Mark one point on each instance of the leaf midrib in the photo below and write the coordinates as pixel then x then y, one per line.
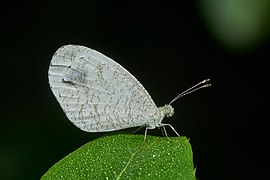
pixel 130 159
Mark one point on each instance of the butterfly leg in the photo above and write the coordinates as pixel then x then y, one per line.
pixel 145 133
pixel 162 131
pixel 170 127
pixel 136 130
pixel 165 132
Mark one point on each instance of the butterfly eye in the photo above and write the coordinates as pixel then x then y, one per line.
pixel 168 110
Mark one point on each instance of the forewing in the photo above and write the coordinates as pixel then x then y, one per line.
pixel 96 93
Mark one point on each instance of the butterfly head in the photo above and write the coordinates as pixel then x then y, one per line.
pixel 168 110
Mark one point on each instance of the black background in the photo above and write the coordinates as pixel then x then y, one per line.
pixel 167 47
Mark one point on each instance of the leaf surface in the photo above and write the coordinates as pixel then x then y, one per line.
pixel 124 157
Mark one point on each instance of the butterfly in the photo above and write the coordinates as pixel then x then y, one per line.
pixel 98 95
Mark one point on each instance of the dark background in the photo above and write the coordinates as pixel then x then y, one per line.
pixel 168 47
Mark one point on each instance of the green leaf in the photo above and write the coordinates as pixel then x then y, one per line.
pixel 124 157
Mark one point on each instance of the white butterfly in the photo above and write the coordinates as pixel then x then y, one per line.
pixel 97 94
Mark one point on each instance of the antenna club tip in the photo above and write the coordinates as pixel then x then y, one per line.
pixel 206 80
pixel 206 85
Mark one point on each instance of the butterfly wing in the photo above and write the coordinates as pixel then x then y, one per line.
pixel 96 93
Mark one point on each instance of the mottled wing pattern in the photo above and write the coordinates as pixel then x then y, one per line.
pixel 96 93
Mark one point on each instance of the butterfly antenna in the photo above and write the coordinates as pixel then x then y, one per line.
pixel 200 85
